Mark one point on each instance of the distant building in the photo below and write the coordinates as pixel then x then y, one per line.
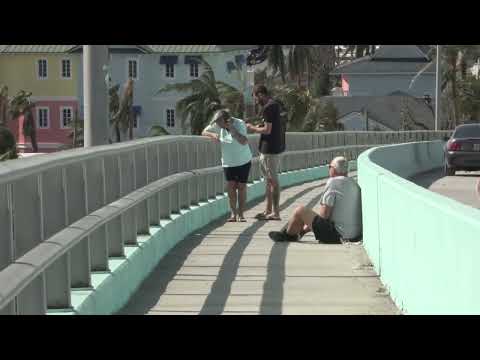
pixel 154 66
pixel 52 75
pixel 383 90
pixel 391 68
pixel 385 113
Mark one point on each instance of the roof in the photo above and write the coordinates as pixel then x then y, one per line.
pixel 346 104
pixel 15 49
pixel 386 110
pixel 198 48
pixel 399 52
pixel 393 59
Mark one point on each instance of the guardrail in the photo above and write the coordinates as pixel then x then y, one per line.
pixel 423 245
pixel 44 198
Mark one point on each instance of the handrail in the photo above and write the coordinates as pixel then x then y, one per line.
pixel 139 186
pixel 18 275
pixel 424 248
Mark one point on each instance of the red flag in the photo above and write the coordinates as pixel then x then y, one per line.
pixel 345 86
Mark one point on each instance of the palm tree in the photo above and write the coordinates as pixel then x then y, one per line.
pixel 455 59
pixel 275 57
pixel 356 51
pixel 207 95
pixel 296 102
pixel 158 130
pixel 122 119
pixel 299 63
pixel 113 107
pixel 21 105
pixel 3 105
pixel 8 146
pixel 76 124
pixel 323 61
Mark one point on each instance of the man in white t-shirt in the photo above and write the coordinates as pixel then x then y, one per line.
pixel 236 158
pixel 340 213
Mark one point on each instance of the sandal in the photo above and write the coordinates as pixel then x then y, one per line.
pixel 273 218
pixel 242 219
pixel 232 219
pixel 261 216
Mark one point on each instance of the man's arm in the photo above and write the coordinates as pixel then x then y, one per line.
pixel 267 129
pixel 325 211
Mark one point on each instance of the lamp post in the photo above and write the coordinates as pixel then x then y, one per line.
pixel 95 57
pixel 437 88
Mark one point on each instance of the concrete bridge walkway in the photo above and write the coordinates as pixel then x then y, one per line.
pixel 234 268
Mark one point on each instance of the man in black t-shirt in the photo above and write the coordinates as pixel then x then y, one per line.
pixel 272 144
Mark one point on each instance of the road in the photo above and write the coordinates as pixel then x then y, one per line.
pixel 461 187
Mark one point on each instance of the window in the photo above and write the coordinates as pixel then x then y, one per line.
pixel 43 118
pixel 170 70
pixel 66 116
pixel 170 118
pixel 194 70
pixel 42 69
pixel 133 69
pixel 66 69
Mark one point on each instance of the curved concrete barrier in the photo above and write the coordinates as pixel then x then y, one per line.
pixel 424 246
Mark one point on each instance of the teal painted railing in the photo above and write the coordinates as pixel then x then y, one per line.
pixel 424 246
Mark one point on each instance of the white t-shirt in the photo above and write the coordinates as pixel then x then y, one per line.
pixel 233 153
pixel 343 195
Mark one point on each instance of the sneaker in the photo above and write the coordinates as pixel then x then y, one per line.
pixel 280 236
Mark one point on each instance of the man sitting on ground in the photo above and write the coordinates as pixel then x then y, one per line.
pixel 340 213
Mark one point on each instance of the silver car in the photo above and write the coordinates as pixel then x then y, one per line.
pixel 462 149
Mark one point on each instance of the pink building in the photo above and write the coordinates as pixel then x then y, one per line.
pixel 51 121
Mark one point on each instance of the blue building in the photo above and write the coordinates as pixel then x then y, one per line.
pixel 154 66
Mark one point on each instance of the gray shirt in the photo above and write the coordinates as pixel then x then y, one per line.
pixel 342 194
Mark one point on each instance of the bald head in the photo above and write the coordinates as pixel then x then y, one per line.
pixel 340 165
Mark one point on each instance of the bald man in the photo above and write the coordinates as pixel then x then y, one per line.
pixel 340 213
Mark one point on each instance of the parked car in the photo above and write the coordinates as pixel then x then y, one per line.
pixel 462 149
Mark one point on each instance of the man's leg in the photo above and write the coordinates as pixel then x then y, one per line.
pixel 275 186
pixel 232 197
pixel 272 170
pixel 268 190
pixel 301 220
pixel 268 198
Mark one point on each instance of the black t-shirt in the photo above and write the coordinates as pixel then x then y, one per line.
pixel 274 143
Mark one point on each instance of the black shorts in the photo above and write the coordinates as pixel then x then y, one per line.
pixel 238 173
pixel 325 231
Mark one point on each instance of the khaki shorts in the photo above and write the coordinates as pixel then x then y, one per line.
pixel 269 164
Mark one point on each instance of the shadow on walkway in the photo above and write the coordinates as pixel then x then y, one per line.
pixel 272 295
pixel 147 295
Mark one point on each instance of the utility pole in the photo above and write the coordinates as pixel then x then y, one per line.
pixel 95 57
pixel 438 90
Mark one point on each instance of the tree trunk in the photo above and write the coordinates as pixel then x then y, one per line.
pixel 130 124
pixel 29 123
pixel 117 133
pixel 74 140
pixel 33 138
pixel 307 66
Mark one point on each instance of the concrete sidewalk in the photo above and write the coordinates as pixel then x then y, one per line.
pixel 234 268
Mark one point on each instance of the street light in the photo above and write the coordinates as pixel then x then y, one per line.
pixel 95 57
pixel 437 88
